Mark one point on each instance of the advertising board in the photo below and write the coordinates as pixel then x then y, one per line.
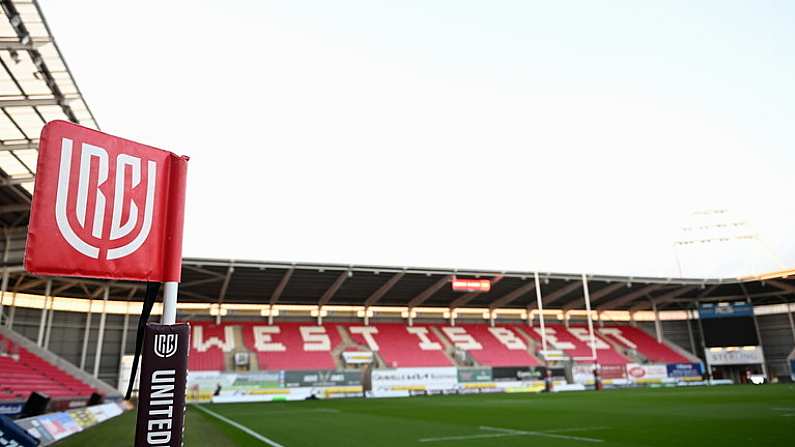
pixel 646 373
pixel 417 379
pixel 321 378
pixel 474 375
pixel 685 370
pixel 745 356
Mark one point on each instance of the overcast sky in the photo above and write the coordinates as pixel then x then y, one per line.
pixel 559 136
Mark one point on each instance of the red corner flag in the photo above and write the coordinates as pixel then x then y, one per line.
pixel 105 207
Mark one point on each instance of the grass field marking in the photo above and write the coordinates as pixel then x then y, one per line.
pixel 546 434
pixel 240 427
pixel 280 412
pixel 468 437
pixel 789 411
pixel 573 429
pixel 504 432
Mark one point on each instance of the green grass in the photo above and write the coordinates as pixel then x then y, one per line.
pixel 731 415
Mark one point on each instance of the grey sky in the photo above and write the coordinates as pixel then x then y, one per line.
pixel 563 136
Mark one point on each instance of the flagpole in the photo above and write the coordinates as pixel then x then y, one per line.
pixel 170 302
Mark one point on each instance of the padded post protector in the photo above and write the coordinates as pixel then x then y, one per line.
pixel 161 395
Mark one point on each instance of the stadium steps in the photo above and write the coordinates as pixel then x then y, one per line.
pixel 532 345
pixel 71 370
pixel 633 355
pixel 348 343
pixel 450 350
pixel 674 347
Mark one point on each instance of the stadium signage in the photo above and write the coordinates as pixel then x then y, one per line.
pixel 438 378
pixel 105 207
pixel 471 285
pixel 321 378
pixel 748 355
pixel 11 408
pixel 639 373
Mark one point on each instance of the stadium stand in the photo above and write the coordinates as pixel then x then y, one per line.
pixel 209 342
pixel 492 346
pixel 291 346
pixel 643 343
pixel 575 343
pixel 402 346
pixel 22 372
pixel 308 346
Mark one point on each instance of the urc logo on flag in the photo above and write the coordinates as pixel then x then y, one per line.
pixel 117 230
pixel 105 207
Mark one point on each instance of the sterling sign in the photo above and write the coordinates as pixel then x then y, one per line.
pixel 749 355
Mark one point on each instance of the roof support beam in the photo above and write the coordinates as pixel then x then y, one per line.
pixel 662 299
pixel 782 285
pixel 628 298
pixel 709 290
pixel 378 294
pixel 222 293
pixel 30 285
pixel 560 293
pixel 14 44
pixel 5 147
pixel 512 296
pixel 598 295
pixel 427 293
pixel 204 271
pixel 31 102
pixel 195 295
pixel 329 294
pixel 199 282
pixel 66 286
pixel 280 288
pixel 17 180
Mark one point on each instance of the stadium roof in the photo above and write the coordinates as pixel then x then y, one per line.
pixel 36 86
pixel 272 283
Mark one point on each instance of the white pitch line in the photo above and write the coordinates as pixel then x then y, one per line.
pixel 568 430
pixel 240 427
pixel 546 434
pixel 281 412
pixel 466 437
pixel 504 432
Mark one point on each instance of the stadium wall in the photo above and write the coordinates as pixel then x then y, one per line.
pixel 68 328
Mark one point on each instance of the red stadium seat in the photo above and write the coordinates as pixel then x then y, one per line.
pixel 494 346
pixel 307 346
pixel 291 346
pixel 28 373
pixel 574 342
pixel 400 345
pixel 643 343
pixel 209 342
